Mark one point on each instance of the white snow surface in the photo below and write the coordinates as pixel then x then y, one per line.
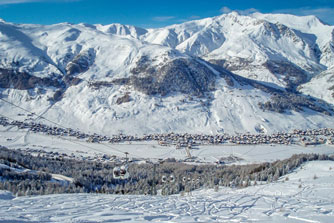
pixel 305 197
pixel 46 49
pixel 5 195
pixel 324 89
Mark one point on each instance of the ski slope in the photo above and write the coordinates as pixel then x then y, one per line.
pixel 305 197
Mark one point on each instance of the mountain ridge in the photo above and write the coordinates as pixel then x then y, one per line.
pixel 120 78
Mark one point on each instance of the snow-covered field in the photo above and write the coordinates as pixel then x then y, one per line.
pixel 305 197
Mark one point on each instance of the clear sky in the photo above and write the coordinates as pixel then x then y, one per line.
pixel 149 13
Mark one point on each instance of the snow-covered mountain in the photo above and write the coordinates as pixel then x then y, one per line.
pixel 282 49
pixel 223 74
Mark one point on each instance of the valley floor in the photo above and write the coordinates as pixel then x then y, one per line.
pixel 14 138
pixel 305 197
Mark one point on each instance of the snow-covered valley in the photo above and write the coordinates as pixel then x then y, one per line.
pixel 153 150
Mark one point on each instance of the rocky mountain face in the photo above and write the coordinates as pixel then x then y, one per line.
pixel 227 73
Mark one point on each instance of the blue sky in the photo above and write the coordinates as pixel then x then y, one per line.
pixel 149 13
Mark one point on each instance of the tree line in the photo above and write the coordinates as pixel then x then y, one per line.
pixel 167 177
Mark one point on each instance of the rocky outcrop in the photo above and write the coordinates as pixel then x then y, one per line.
pixel 98 84
pixel 81 62
pixel 23 81
pixel 233 65
pixel 123 99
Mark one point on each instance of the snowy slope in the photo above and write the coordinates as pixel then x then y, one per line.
pixel 18 49
pixel 230 110
pixel 323 33
pixel 110 54
pixel 245 44
pixel 122 30
pixel 321 86
pixel 302 198
pixel 118 78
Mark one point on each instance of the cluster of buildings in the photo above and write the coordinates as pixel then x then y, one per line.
pixel 303 137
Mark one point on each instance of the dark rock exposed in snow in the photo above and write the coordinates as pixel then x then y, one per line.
pixel 23 81
pixel 81 62
pixel 187 76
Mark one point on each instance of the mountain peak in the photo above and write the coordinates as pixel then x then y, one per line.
pixel 123 30
pixel 233 14
pixel 302 23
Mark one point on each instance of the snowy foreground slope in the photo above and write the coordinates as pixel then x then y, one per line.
pixel 306 196
pixel 204 76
